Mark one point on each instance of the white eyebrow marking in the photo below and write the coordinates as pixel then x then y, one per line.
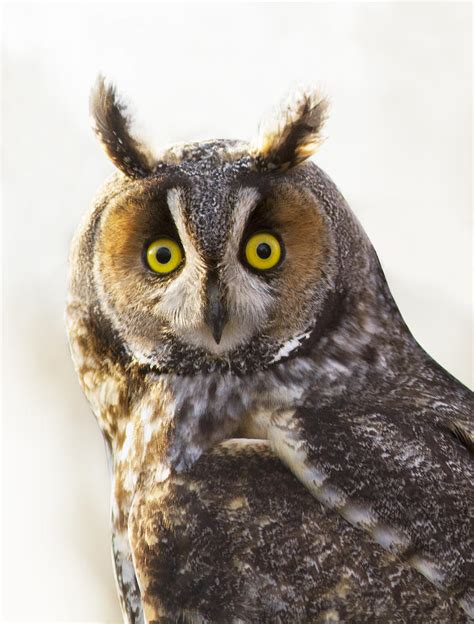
pixel 248 297
pixel 246 201
pixel 176 201
pixel 181 302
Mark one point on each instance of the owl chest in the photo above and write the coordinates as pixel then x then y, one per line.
pixel 161 424
pixel 209 410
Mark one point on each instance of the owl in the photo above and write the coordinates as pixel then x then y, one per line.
pixel 281 448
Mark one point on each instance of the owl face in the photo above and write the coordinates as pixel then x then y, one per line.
pixel 211 256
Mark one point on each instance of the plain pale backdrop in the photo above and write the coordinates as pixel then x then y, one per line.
pixel 398 147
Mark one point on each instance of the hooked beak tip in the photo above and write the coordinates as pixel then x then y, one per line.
pixel 216 323
pixel 216 326
pixel 216 313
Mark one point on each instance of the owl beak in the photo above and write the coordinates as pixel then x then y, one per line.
pixel 215 314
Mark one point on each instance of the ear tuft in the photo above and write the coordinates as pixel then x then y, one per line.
pixel 293 134
pixel 111 124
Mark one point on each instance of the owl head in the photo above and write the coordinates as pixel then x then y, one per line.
pixel 219 255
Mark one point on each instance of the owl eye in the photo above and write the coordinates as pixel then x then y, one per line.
pixel 263 251
pixel 164 255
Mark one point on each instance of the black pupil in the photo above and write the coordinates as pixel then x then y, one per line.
pixel 264 251
pixel 163 255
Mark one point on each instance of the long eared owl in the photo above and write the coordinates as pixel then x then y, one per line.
pixel 281 448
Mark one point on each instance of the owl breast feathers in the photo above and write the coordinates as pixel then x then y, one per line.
pixel 282 449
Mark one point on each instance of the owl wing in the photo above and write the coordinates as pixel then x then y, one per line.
pixel 238 539
pixel 399 466
pixel 126 582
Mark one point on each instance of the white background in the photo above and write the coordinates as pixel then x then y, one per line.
pixel 399 148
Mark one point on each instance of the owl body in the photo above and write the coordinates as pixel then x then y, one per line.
pixel 282 449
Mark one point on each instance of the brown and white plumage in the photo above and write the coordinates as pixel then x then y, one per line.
pixel 185 370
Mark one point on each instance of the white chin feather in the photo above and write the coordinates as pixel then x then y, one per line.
pixel 232 336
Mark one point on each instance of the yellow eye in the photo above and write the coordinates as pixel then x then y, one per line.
pixel 164 255
pixel 263 251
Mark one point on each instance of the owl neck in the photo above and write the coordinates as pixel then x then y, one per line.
pixel 367 343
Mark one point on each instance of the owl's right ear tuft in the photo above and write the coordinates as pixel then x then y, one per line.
pixel 111 124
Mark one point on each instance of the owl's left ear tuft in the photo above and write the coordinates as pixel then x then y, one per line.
pixel 111 124
pixel 292 135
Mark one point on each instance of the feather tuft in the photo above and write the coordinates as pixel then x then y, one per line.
pixel 111 124
pixel 293 134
